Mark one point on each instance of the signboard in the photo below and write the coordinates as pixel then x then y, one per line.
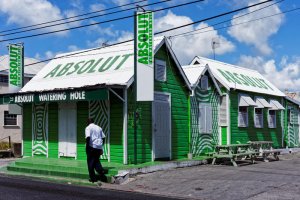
pixel 78 95
pixel 143 54
pixel 16 73
pixel 16 67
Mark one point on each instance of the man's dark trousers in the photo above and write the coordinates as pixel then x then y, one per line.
pixel 93 162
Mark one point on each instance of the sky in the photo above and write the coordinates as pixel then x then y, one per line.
pixel 269 45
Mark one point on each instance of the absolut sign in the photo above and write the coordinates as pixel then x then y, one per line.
pixel 144 69
pixel 16 66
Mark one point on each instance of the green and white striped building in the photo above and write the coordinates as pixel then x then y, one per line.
pixel 99 83
pixel 231 104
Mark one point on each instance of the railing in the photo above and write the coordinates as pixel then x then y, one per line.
pixel 5 145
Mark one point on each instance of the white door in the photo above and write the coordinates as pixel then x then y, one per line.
pixel 162 126
pixel 67 129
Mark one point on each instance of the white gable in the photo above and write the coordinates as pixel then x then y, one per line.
pixel 235 77
pixel 112 65
pixel 193 72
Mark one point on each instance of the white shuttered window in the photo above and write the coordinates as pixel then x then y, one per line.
pixel 160 70
pixel 243 116
pixel 205 118
pixel 258 118
pixel 223 111
pixel 272 119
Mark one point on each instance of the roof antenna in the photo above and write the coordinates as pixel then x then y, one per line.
pixel 138 7
pixel 215 43
pixel 105 44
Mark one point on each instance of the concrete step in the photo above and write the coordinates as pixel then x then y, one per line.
pixel 78 173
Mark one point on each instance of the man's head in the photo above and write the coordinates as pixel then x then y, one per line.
pixel 90 121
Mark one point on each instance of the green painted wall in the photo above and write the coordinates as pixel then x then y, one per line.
pixel 203 142
pixel 179 105
pixel 82 115
pixel 179 115
pixel 224 135
pixel 144 130
pixel 27 129
pixel 292 127
pixel 53 130
pixel 116 128
pixel 251 133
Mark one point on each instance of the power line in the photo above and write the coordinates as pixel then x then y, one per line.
pixel 97 23
pixel 112 8
pixel 237 24
pixel 209 18
pixel 82 19
pixel 171 29
pixel 187 33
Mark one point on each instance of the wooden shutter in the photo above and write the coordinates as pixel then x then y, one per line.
pixel 208 119
pixel 160 70
pixel 223 111
pixel 201 119
pixel 205 118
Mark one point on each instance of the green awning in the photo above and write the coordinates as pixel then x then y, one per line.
pixel 55 96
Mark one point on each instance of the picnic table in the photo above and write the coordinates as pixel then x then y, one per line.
pixel 233 152
pixel 264 149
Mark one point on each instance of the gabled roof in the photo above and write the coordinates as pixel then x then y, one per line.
pixel 234 77
pixel 29 71
pixel 195 72
pixel 292 100
pixel 107 66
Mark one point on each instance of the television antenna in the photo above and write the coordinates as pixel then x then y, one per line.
pixel 215 43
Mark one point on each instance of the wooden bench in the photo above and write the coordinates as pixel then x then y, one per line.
pixel 233 153
pixel 274 152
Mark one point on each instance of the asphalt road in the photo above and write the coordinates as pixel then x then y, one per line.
pixel 15 188
pixel 277 180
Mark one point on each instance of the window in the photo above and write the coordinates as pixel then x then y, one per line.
pixel 258 118
pixel 243 116
pixel 204 82
pixel 205 118
pixel 223 111
pixel 3 79
pixel 10 119
pixel 160 70
pixel 272 119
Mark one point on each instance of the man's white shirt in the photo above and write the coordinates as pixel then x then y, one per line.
pixel 96 135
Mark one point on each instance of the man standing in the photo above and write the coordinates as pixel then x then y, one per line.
pixel 94 141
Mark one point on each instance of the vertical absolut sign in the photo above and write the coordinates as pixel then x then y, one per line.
pixel 144 67
pixel 16 67
pixel 16 73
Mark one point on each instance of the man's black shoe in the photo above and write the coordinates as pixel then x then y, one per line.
pixel 92 180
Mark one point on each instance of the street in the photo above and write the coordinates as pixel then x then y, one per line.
pixel 274 180
pixel 13 188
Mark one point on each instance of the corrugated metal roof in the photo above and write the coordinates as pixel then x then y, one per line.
pixel 28 70
pixel 235 77
pixel 193 72
pixel 112 65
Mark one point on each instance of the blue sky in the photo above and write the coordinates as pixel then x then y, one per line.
pixel 270 46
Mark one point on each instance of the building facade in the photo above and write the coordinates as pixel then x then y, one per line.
pixel 11 124
pixel 99 84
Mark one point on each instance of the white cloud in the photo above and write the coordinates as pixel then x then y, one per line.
pixel 257 33
pixel 285 75
pixel 103 31
pixel 32 12
pixel 97 7
pixel 121 2
pixel 189 46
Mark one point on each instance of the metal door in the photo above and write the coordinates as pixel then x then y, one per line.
pixel 67 130
pixel 162 126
